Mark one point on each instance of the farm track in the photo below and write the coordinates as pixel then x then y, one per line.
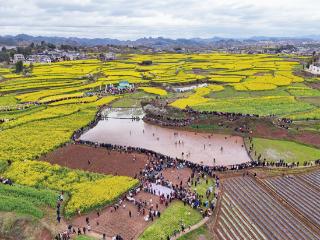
pixel 248 211
pixel 194 227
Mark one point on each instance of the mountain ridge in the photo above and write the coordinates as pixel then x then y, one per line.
pixel 21 39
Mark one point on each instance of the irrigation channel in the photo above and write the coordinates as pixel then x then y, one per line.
pixel 125 127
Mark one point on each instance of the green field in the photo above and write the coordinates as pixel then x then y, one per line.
pixel 202 187
pixel 8 100
pixel 26 200
pixel 274 150
pixel 263 106
pixel 84 238
pixel 170 221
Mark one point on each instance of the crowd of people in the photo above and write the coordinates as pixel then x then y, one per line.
pixel 279 122
pixel 168 122
pixel 115 90
pixel 229 116
pixel 284 122
pixel 76 134
pixel 77 231
pixel 58 207
pixel 192 115
pixel 111 89
pixel 159 162
pixel 170 161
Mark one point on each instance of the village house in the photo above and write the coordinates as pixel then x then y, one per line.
pixel 315 68
pixel 107 56
pixel 70 56
pixel 18 57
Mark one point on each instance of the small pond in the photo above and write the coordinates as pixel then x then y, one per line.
pixel 208 149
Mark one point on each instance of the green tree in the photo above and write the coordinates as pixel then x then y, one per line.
pixel 19 67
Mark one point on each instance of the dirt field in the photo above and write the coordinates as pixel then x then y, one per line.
pixel 101 160
pixel 309 138
pixel 177 175
pixel 267 132
pixel 114 222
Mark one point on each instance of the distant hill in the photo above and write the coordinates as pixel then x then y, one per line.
pixel 160 42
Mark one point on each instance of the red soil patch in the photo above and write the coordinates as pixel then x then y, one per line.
pixel 303 137
pixel 101 160
pixel 309 138
pixel 267 132
pixel 118 222
pixel 177 175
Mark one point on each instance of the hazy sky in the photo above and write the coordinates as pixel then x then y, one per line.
pixel 131 19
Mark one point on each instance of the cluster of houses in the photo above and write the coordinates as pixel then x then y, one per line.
pixel 49 56
pixel 58 56
pixel 107 56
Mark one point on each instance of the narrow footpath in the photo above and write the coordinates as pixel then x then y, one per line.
pixel 193 227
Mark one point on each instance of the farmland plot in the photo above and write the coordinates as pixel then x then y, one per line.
pixel 299 194
pixel 249 212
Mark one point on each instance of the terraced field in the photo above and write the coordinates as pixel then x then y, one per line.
pixel 269 80
pixel 299 194
pixel 249 212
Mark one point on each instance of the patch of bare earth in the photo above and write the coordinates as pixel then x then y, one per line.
pixel 267 132
pixel 99 160
pixel 176 176
pixel 310 138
